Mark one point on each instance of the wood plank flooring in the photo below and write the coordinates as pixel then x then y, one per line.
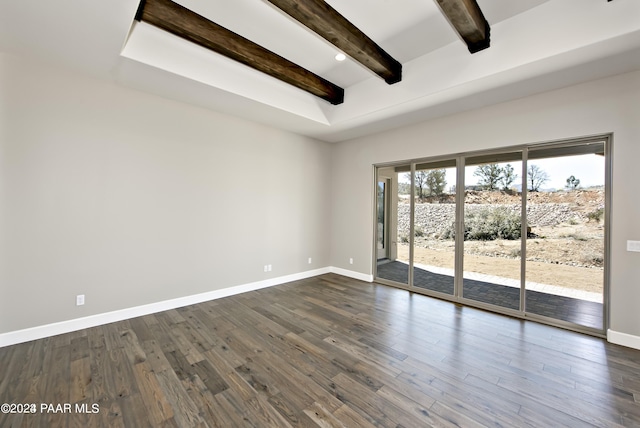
pixel 324 352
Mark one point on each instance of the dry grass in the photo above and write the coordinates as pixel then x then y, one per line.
pixel 567 255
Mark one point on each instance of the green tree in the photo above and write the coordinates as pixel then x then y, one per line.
pixel 572 183
pixel 436 181
pixel 489 175
pixel 508 176
pixel 420 182
pixel 536 177
pixel 404 188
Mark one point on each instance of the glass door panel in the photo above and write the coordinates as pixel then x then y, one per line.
pixel 492 229
pixel 565 248
pixel 434 218
pixel 394 266
pixel 382 239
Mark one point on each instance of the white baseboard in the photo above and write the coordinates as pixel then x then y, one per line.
pixel 624 339
pixel 39 332
pixel 351 274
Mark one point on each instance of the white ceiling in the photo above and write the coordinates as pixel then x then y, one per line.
pixel 536 45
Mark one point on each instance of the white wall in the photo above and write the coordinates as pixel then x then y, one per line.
pixel 602 106
pixel 132 199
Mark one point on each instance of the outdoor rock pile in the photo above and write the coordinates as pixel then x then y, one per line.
pixel 433 218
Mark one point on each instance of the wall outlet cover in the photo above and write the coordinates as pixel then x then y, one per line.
pixel 633 246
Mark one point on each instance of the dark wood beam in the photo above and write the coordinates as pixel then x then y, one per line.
pixel 184 23
pixel 468 20
pixel 325 21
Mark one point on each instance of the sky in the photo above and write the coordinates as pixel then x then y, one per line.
pixel 589 169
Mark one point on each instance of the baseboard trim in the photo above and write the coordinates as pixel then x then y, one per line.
pixel 624 339
pixel 351 274
pixel 48 330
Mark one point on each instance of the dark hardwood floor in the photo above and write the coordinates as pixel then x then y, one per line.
pixel 327 351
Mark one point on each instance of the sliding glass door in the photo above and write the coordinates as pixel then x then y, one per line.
pixel 393 212
pixel 566 246
pixel 434 222
pixel 522 231
pixel 492 229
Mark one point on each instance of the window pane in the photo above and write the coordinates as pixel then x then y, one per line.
pixel 435 210
pixel 492 230
pixel 393 258
pixel 565 248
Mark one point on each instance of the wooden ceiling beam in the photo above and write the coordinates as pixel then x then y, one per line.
pixel 467 19
pixel 188 25
pixel 321 18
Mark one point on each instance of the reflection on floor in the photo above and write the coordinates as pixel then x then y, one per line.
pixel 559 307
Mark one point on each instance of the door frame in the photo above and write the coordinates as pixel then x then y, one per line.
pixel 607 138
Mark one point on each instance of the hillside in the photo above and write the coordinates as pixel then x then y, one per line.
pixel 567 229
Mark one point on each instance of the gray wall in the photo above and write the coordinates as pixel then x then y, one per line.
pixel 602 106
pixel 132 199
pixel 123 196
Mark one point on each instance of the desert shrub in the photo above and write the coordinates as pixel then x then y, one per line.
pixel 488 224
pixel 404 239
pixel 418 231
pixel 448 232
pixel 596 215
pixel 593 260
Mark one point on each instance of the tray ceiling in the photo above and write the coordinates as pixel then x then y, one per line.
pixel 536 45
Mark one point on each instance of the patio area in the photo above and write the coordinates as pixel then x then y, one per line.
pixel 571 309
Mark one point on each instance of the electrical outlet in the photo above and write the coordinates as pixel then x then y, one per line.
pixel 269 268
pixel 266 268
pixel 80 300
pixel 351 261
pixel 633 246
pixel 309 260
